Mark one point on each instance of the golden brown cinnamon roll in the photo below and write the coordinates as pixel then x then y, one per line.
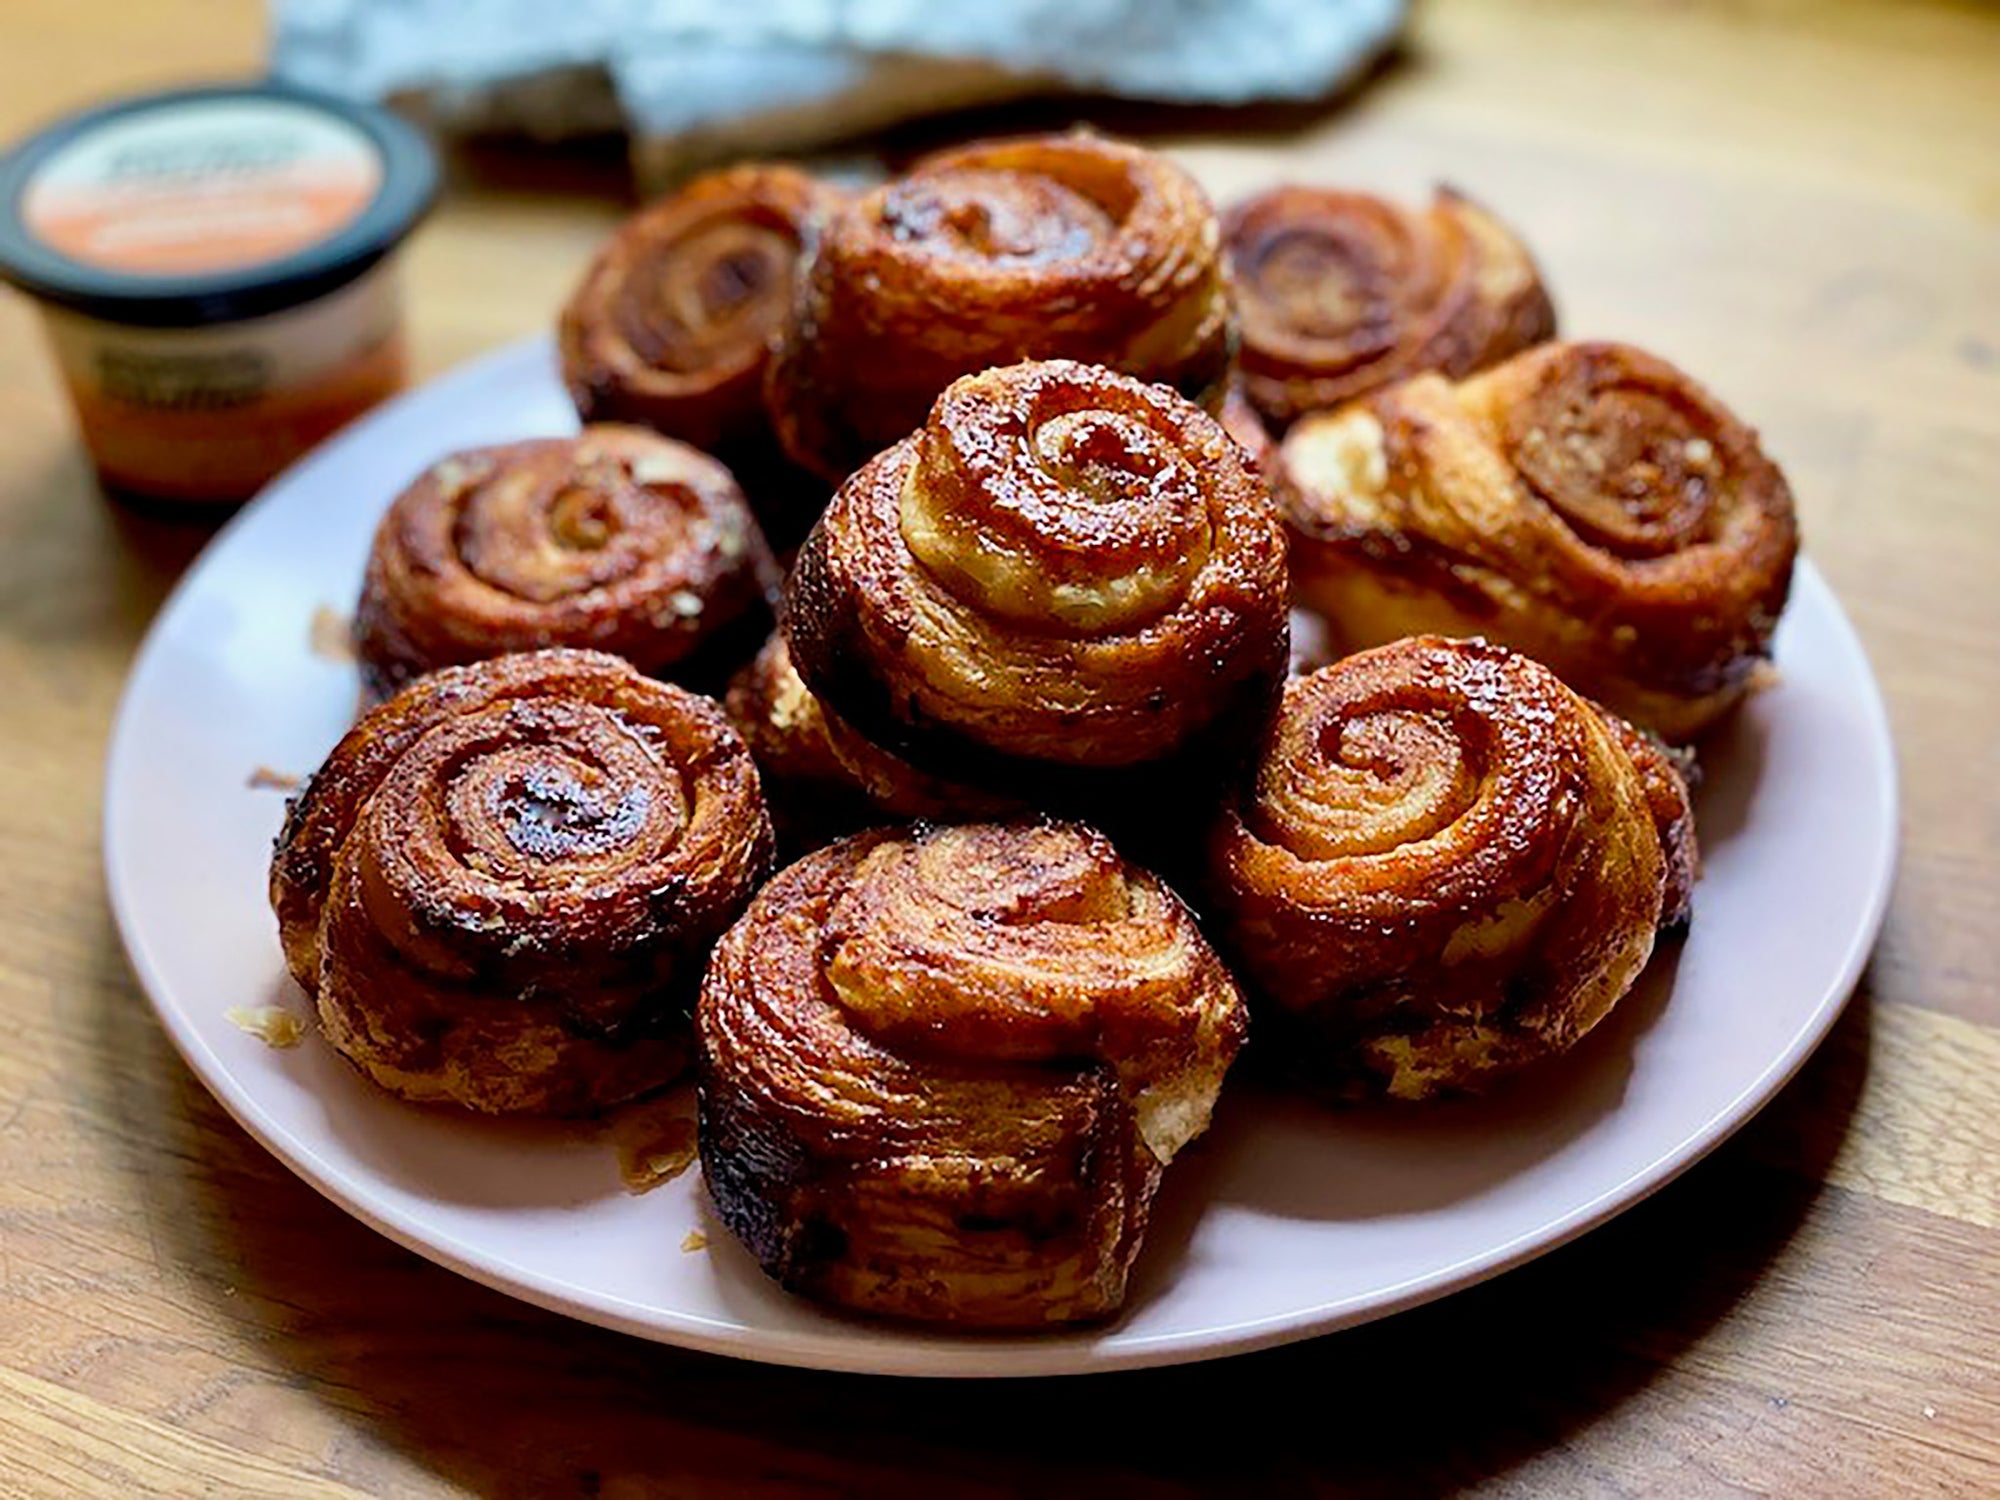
pixel 1342 293
pixel 1065 571
pixel 616 539
pixel 1053 247
pixel 822 778
pixel 671 326
pixel 500 887
pixel 1588 504
pixel 1447 865
pixel 941 1070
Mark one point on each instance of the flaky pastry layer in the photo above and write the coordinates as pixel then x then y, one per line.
pixel 943 1070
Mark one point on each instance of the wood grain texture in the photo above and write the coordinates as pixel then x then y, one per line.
pixel 1801 203
pixel 59 1441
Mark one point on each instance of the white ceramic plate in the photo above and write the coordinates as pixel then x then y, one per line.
pixel 1286 1221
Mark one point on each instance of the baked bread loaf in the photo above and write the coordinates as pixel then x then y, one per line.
pixel 672 324
pixel 1065 573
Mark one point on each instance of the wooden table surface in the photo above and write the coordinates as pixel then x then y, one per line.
pixel 1799 202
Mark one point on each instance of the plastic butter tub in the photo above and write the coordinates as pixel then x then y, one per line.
pixel 213 270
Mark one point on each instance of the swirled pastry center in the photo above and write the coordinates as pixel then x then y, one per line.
pixel 546 530
pixel 1326 283
pixel 1065 513
pixel 553 811
pixel 975 946
pixel 1377 783
pixel 985 214
pixel 692 302
pixel 539 795
pixel 1629 469
pixel 1406 762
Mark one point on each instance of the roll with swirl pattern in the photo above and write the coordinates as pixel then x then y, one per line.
pixel 942 1070
pixel 500 887
pixel 1050 247
pixel 1586 503
pixel 671 326
pixel 1446 866
pixel 615 540
pixel 1342 293
pixel 1067 572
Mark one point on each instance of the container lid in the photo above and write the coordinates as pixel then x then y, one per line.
pixel 208 205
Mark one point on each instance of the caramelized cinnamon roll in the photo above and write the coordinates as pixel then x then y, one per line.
pixel 1053 247
pixel 822 778
pixel 671 326
pixel 1586 503
pixel 1342 293
pixel 615 539
pixel 942 1070
pixel 500 887
pixel 1065 572
pixel 1447 865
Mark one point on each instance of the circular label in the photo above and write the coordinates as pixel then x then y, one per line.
pixel 202 185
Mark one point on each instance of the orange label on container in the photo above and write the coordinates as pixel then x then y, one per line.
pixel 228 454
pixel 201 186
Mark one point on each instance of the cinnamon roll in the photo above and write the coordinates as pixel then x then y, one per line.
pixel 1052 247
pixel 1586 503
pixel 616 539
pixel 1446 866
pixel 942 1070
pixel 1066 572
pixel 1342 293
pixel 500 888
pixel 671 326
pixel 822 778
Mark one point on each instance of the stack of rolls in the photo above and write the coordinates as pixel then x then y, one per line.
pixel 960 903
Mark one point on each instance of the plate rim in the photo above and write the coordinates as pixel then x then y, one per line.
pixel 939 1353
